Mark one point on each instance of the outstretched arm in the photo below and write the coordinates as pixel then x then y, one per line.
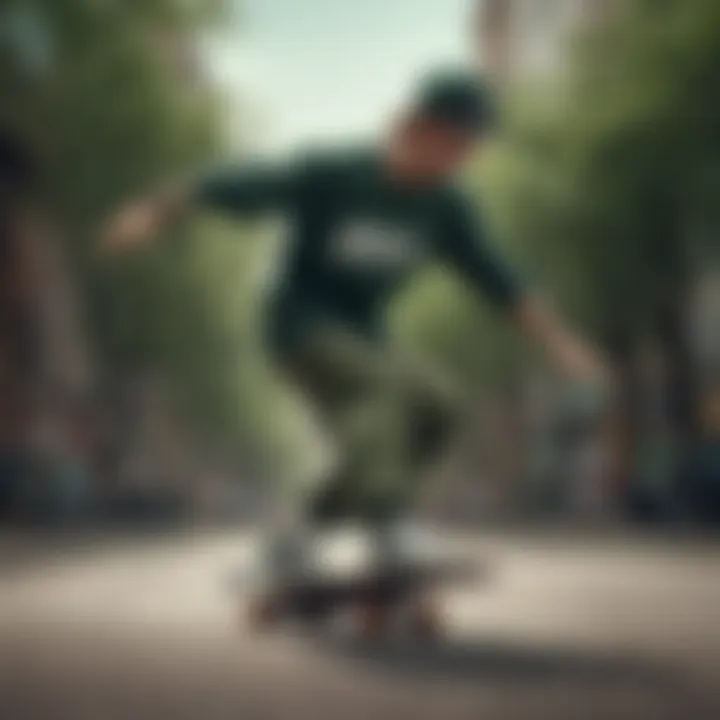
pixel 465 245
pixel 245 190
pixel 576 357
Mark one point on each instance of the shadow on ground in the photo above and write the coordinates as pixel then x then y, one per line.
pixel 495 660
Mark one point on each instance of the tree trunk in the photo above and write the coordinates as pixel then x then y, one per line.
pixel 624 425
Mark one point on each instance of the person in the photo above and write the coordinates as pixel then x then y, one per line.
pixel 362 222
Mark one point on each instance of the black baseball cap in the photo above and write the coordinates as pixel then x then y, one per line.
pixel 457 97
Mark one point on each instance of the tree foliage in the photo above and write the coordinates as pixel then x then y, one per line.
pixel 113 98
pixel 607 177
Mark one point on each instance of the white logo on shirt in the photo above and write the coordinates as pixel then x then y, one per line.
pixel 371 243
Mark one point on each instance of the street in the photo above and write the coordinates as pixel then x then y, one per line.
pixel 568 628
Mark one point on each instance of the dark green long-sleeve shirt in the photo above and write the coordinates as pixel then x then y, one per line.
pixel 356 236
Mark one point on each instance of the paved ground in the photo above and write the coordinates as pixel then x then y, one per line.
pixel 570 629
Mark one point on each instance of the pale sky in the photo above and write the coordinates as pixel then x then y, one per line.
pixel 313 69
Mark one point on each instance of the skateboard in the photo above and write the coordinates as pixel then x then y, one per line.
pixel 378 601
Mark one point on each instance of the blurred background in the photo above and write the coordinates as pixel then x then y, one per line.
pixel 140 387
pixel 137 391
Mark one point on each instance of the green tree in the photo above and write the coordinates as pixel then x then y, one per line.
pixel 608 180
pixel 113 99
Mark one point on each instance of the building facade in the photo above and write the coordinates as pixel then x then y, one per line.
pixel 525 39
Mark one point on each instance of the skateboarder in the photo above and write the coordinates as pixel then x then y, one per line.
pixel 362 221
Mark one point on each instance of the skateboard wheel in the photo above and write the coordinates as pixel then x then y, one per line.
pixel 373 621
pixel 263 613
pixel 425 623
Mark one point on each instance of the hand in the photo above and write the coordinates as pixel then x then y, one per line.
pixel 132 227
pixel 579 361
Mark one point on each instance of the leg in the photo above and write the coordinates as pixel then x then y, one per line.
pixel 389 422
pixel 326 382
pixel 391 434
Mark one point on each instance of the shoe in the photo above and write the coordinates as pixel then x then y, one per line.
pixel 404 544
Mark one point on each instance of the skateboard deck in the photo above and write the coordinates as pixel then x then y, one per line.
pixel 379 592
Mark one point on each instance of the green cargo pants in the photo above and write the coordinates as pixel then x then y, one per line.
pixel 389 419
